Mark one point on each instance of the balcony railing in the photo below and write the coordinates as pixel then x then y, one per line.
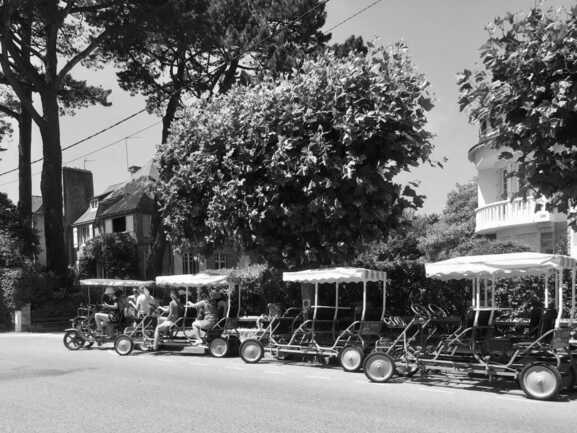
pixel 515 212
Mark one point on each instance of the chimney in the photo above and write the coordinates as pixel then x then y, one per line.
pixel 133 169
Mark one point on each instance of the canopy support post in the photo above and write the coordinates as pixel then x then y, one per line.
pixel 473 293
pixel 546 289
pixel 559 298
pixel 384 298
pixel 572 318
pixel 316 300
pixel 492 317
pixel 557 287
pixel 486 292
pixel 364 300
pixel 335 315
pixel 478 301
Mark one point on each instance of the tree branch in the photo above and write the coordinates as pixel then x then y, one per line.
pixel 81 55
pixel 15 84
pixel 9 112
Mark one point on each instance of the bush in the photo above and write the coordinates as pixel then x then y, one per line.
pixel 114 253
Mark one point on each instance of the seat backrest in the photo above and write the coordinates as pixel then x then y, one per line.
pixel 372 314
pixel 483 318
pixel 547 320
pixel 373 327
pixel 282 325
pixel 325 314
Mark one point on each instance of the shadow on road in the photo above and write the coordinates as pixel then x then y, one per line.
pixel 26 372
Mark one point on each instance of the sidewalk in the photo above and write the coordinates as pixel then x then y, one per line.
pixel 31 334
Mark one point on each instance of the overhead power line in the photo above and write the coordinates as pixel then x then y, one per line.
pixel 76 143
pixel 99 149
pixel 357 13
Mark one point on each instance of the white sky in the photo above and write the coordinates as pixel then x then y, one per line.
pixel 443 38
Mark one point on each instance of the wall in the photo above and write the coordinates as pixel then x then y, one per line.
pixel 77 191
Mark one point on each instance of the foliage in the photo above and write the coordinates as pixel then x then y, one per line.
pixel 454 233
pixel 299 171
pixel 199 48
pixel 527 92
pixel 59 36
pixel 113 253
pixel 353 44
pixel 16 240
pixel 17 285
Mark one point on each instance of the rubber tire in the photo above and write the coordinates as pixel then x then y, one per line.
pixel 351 358
pixel 553 373
pixel 257 351
pixel 215 347
pixel 373 365
pixel 72 340
pixel 123 339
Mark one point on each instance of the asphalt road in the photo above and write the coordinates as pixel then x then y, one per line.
pixel 45 388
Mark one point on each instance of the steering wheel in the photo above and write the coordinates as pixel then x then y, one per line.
pixel 420 310
pixel 437 310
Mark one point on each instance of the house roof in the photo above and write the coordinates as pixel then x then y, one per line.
pixel 87 217
pixel 124 197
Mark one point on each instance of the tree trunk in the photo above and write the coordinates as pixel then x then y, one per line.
pixel 155 258
pixel 25 175
pixel 169 114
pixel 51 185
pixel 24 146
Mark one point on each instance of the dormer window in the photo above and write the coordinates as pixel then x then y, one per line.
pixel 94 203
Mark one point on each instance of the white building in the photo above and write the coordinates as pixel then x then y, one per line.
pixel 501 216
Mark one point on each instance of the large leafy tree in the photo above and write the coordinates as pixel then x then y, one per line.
pixel 527 92
pixel 301 170
pixel 183 49
pixel 63 34
pixel 197 48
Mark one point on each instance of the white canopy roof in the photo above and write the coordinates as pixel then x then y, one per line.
pixel 498 265
pixel 114 283
pixel 335 275
pixel 192 280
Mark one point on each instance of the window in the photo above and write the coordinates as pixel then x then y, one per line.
pixel 119 225
pixel 190 264
pixel 94 203
pixel 84 233
pixel 221 261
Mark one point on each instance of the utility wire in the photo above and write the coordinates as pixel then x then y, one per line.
pixel 76 143
pixel 357 13
pixel 99 149
pixel 323 3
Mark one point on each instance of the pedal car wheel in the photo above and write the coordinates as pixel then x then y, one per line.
pixel 540 381
pixel 73 340
pixel 218 347
pixel 251 351
pixel 123 345
pixel 351 358
pixel 379 367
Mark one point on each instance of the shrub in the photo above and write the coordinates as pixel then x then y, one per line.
pixel 114 253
